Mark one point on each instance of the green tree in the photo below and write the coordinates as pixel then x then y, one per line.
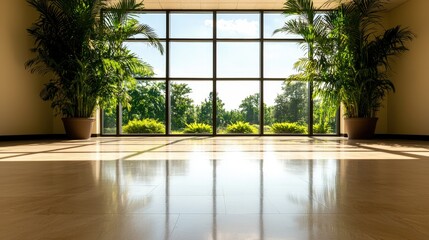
pixel 268 115
pixel 204 112
pixel 182 106
pixel 232 116
pixel 147 101
pixel 292 104
pixel 249 108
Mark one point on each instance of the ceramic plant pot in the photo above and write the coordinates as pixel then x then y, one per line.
pixel 360 128
pixel 78 128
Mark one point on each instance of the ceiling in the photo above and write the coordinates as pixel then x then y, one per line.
pixel 229 4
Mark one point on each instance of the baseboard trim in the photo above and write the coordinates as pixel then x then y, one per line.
pixel 37 137
pixel 402 137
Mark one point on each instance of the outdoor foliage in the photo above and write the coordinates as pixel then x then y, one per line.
pixel 197 128
pixel 287 127
pixel 241 127
pixel 146 125
pixel 182 106
pixel 148 101
pixel 249 108
pixel 322 128
pixel 292 104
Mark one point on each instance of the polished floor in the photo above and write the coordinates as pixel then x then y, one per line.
pixel 214 188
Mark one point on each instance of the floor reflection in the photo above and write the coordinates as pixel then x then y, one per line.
pixel 237 184
pixel 214 188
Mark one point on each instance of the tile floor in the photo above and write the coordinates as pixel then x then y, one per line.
pixel 205 188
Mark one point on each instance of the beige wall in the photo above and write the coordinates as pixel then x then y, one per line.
pixel 408 108
pixel 21 110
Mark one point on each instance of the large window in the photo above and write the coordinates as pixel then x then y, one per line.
pixel 222 73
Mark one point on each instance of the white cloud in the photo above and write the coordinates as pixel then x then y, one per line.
pixel 236 28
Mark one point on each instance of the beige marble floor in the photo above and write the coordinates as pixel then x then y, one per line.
pixel 204 188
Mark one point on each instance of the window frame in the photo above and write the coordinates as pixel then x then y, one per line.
pixel 214 40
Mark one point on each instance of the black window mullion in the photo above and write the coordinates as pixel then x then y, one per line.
pixel 167 75
pixel 261 74
pixel 214 90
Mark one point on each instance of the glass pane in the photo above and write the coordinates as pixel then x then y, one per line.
pixel 324 117
pixel 238 111
pixel 155 20
pixel 286 107
pixel 191 107
pixel 273 21
pixel 238 25
pixel 238 59
pixel 191 25
pixel 147 109
pixel 280 57
pixel 191 59
pixel 150 55
pixel 109 121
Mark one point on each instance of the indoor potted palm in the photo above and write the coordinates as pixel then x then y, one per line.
pixel 80 43
pixel 348 57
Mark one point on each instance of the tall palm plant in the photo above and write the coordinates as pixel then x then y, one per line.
pixel 348 58
pixel 370 47
pixel 81 43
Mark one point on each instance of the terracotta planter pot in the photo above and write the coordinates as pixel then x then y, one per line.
pixel 360 128
pixel 78 128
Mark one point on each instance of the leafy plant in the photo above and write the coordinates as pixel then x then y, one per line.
pixel 347 59
pixel 197 128
pixel 241 127
pixel 81 45
pixel 146 125
pixel 322 128
pixel 286 127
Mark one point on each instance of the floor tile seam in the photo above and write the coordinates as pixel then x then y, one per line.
pixel 96 151
pixel 327 158
pixel 249 144
pixel 47 151
pixel 277 214
pixel 151 214
pixel 265 151
pixel 181 151
pixel 403 153
pixel 320 202
pixel 175 226
pixel 149 150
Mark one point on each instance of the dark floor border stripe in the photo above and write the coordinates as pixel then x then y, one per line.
pixel 64 137
pixel 37 137
pixel 402 137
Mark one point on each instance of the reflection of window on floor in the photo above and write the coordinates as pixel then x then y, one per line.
pixel 240 62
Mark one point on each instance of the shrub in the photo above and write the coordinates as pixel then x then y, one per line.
pixel 109 130
pixel 286 127
pixel 267 129
pixel 146 125
pixel 241 127
pixel 197 128
pixel 322 128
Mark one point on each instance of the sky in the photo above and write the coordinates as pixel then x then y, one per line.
pixel 234 60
